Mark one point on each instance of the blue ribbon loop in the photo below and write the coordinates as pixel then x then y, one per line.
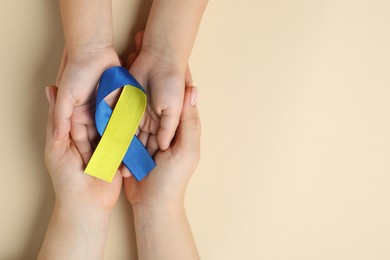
pixel 137 158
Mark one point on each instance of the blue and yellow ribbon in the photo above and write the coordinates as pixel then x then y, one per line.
pixel 117 128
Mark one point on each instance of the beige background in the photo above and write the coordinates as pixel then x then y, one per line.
pixel 294 99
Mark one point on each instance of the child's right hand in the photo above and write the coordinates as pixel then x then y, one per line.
pixel 74 108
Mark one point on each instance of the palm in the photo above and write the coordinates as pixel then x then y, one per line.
pixel 147 189
pixel 66 166
pixel 74 111
pixel 165 89
pixel 92 190
pixel 174 165
pixel 83 130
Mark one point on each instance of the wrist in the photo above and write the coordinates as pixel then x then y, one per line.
pixel 89 47
pixel 81 53
pixel 142 209
pixel 87 24
pixel 82 213
pixel 81 224
pixel 72 235
pixel 167 55
pixel 151 216
pixel 99 59
pixel 155 66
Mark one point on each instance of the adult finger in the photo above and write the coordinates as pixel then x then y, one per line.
pixel 139 40
pixel 51 94
pixel 63 109
pixel 64 60
pixel 130 59
pixel 79 133
pixel 143 136
pixel 188 77
pixel 50 119
pixel 124 171
pixel 152 145
pixel 168 125
pixel 187 139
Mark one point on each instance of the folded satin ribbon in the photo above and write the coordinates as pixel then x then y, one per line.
pixel 117 128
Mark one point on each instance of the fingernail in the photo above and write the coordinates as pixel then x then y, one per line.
pixel 48 95
pixel 194 95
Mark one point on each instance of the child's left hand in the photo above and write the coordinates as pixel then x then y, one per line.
pixel 165 83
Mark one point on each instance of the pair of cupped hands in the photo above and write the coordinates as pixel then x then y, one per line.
pixel 170 130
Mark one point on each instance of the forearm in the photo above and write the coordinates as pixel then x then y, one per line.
pixel 75 235
pixel 172 27
pixel 163 233
pixel 87 24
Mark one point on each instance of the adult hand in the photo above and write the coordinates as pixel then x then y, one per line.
pixel 168 181
pixel 74 189
pixel 79 223
pixel 161 224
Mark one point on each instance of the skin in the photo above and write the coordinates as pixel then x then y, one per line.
pixel 149 126
pixel 161 64
pixel 79 223
pixel 160 67
pixel 161 224
pixel 88 52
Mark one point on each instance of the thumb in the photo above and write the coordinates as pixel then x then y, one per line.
pixel 187 138
pixel 64 61
pixel 168 125
pixel 51 92
pixel 52 145
pixel 63 110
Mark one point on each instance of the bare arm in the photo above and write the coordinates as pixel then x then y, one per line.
pixel 161 224
pixel 163 233
pixel 75 235
pixel 79 222
pixel 89 50
pixel 172 27
pixel 87 24
pixel 162 61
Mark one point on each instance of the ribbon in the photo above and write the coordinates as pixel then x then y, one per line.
pixel 117 128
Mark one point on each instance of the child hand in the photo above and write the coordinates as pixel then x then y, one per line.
pixel 164 83
pixel 74 110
